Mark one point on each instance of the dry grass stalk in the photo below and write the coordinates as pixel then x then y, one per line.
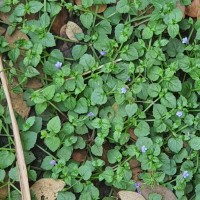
pixel 23 177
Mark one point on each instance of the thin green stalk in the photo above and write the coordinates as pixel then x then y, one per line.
pixel 46 152
pixel 197 163
pixel 54 106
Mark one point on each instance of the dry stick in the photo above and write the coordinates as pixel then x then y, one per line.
pixel 23 177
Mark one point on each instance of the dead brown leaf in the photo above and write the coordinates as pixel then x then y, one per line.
pixel 132 134
pixel 2 30
pixel 63 31
pixel 4 17
pixel 193 10
pixel 135 173
pixel 166 194
pixel 100 8
pixel 15 36
pixel 72 29
pixel 3 192
pixel 34 83
pixel 47 188
pixel 128 195
pixel 134 163
pixel 19 105
pixel 59 21
pixel 79 155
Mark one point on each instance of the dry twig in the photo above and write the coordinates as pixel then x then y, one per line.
pixel 23 177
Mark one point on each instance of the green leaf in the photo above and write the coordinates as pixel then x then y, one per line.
pixel 123 32
pixel 86 19
pixel 142 129
pixel 7 159
pixel 104 1
pixel 46 163
pixel 48 40
pixel 154 90
pixel 147 33
pixel 87 61
pixel 54 125
pixel 66 196
pixel 169 100
pixel 65 152
pixel 159 111
pixel 40 107
pixel 13 174
pixel 29 123
pixel 32 175
pixel 198 34
pixel 78 51
pixel 28 139
pixel 53 143
pixel 174 47
pixel 175 144
pixel 14 54
pixel 44 20
pixel 87 3
pixel 85 171
pixel 81 106
pixel 104 27
pixel 29 157
pixel 131 109
pixel 143 141
pixel 173 85
pixel 31 72
pixel 97 150
pixel 2 175
pixel 195 143
pixel 107 175
pixel 173 30
pixel 123 6
pixel 49 92
pixel 98 97
pixel 53 8
pixel 35 6
pixel 114 156
pixel 20 10
pixel 129 53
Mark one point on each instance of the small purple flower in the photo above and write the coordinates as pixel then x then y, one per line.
pixel 143 149
pixel 53 162
pixel 129 79
pixel 123 90
pixel 58 65
pixel 185 40
pixel 179 113
pixel 90 114
pixel 137 185
pixel 185 174
pixel 103 53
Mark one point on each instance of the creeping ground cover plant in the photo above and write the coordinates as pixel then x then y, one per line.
pixel 106 95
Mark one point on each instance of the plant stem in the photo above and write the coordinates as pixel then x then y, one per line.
pixel 46 152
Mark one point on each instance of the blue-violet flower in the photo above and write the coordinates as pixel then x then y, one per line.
pixel 53 162
pixel 58 65
pixel 143 149
pixel 185 40
pixel 185 174
pixel 179 113
pixel 90 114
pixel 103 53
pixel 123 90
